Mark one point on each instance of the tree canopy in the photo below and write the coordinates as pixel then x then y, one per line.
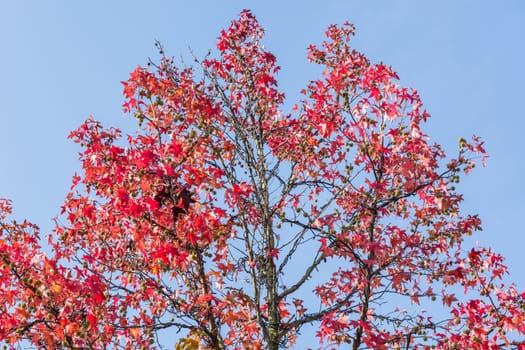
pixel 225 222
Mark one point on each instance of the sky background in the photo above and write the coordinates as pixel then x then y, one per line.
pixel 62 61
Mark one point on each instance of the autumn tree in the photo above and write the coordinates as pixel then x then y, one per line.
pixel 226 223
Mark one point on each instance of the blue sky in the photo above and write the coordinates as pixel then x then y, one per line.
pixel 62 61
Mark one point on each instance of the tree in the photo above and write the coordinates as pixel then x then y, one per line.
pixel 230 224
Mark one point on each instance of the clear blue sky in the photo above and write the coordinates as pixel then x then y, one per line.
pixel 62 61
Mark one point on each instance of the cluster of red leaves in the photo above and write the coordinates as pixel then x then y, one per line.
pixel 213 218
pixel 42 301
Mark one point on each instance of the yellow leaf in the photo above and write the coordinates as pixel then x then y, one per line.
pixel 187 344
pixel 135 332
pixel 56 288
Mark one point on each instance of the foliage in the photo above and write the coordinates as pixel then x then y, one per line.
pixel 233 225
